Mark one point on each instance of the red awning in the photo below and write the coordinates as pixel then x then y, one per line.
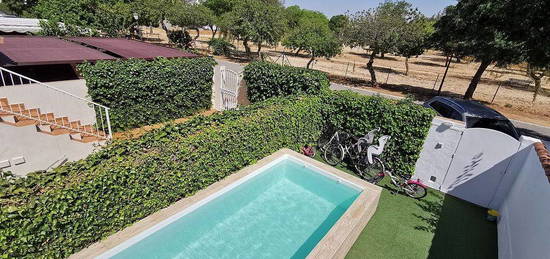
pixel 32 50
pixel 132 48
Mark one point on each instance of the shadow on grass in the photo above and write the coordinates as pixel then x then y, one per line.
pixel 460 229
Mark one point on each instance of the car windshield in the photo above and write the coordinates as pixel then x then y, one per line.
pixel 503 126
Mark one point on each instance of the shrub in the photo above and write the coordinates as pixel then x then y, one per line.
pixel 56 214
pixel 265 80
pixel 181 38
pixel 407 124
pixel 143 92
pixel 221 47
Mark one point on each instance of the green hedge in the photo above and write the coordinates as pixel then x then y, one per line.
pixel 265 80
pixel 143 92
pixel 407 124
pixel 56 214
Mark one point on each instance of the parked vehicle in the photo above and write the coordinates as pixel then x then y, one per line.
pixel 412 188
pixel 473 114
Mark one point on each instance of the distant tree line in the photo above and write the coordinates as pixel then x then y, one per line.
pixel 499 32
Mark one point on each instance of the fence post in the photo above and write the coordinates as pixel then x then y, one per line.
pixel 347 67
pixel 435 83
pixel 388 77
pixel 496 92
pixel 108 122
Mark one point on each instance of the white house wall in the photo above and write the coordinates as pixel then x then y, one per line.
pixel 524 224
pixel 23 149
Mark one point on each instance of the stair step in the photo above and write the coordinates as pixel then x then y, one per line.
pixel 64 121
pixel 10 109
pixel 47 117
pixel 34 113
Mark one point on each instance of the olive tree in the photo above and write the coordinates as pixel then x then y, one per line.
pixel 219 8
pixel 413 40
pixel 379 29
pixel 315 38
pixel 256 21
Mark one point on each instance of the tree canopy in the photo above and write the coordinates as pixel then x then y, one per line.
pixel 380 29
pixel 256 21
pixel 315 38
pixel 413 40
pixel 495 31
pixel 338 24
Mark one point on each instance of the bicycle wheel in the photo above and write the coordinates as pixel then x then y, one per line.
pixel 370 172
pixel 334 154
pixel 323 141
pixel 415 191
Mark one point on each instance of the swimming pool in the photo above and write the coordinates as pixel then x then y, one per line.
pixel 281 208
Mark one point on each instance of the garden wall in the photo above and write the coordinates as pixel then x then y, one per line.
pixel 524 225
pixel 472 164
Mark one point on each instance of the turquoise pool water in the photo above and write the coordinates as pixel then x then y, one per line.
pixel 283 212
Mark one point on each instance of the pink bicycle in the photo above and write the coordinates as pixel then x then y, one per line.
pixel 412 188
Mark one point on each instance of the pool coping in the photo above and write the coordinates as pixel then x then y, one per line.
pixel 335 244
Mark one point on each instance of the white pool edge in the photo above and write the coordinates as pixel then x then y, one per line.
pixel 149 225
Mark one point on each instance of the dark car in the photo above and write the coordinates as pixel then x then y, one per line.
pixel 473 114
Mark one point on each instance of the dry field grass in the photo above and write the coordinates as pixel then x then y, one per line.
pixel 514 98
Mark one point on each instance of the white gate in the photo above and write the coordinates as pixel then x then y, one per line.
pixel 481 160
pixel 230 83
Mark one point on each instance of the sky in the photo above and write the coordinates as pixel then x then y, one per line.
pixel 334 7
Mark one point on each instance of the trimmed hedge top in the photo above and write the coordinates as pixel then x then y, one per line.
pixel 141 92
pixel 265 80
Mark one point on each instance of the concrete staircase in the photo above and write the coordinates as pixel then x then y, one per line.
pixel 18 115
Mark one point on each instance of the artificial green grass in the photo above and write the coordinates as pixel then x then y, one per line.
pixel 438 226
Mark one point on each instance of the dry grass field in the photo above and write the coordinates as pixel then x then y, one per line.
pixel 514 98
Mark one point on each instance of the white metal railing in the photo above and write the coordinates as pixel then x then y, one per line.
pixel 100 127
pixel 230 84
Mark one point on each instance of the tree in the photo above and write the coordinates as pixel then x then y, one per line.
pixel 219 8
pixel 476 27
pixel 537 73
pixel 190 16
pixel 256 21
pixel 338 24
pixel 379 29
pixel 19 7
pixel 414 39
pixel 115 20
pixel 315 38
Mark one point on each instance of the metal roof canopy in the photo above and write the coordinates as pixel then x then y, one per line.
pixel 33 50
pixel 132 49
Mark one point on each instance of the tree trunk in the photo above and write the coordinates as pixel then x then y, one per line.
pixel 371 68
pixel 213 31
pixel 198 33
pixel 537 88
pixel 246 48
pixel 407 66
pixel 447 65
pixel 475 81
pixel 310 61
pixel 537 78
pixel 259 50
pixel 382 54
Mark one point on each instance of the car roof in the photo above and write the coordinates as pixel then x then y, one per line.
pixel 471 108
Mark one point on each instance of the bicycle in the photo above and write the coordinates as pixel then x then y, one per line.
pixel 413 189
pixel 362 155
